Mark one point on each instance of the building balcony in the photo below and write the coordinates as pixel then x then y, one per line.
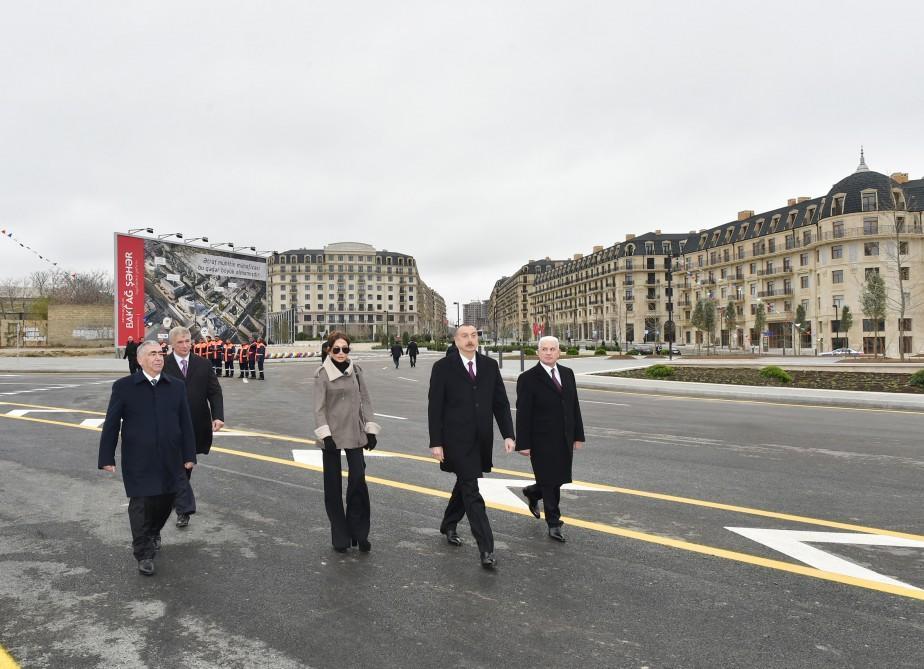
pixel 776 292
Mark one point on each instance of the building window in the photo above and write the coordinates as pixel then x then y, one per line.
pixel 870 226
pixel 904 324
pixel 837 252
pixel 905 273
pixel 870 325
pixel 837 276
pixel 871 248
pixel 803 282
pixel 837 229
pixel 868 201
pixel 869 271
pixel 903 248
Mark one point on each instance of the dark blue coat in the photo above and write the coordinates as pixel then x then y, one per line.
pixel 157 434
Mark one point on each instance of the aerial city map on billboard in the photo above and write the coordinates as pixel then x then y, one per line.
pixel 162 284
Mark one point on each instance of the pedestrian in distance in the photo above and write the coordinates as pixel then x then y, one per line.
pixel 206 406
pixel 549 430
pixel 451 349
pixel 466 392
pixel 131 354
pixel 325 347
pixel 342 414
pixel 412 351
pixel 150 412
pixel 396 352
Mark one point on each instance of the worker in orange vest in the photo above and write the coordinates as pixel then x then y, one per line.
pixel 242 358
pixel 261 354
pixel 229 358
pixel 252 359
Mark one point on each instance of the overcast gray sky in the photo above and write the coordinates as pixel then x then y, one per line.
pixel 474 136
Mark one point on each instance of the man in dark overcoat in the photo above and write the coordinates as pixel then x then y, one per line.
pixel 150 411
pixel 466 393
pixel 206 406
pixel 396 352
pixel 549 428
pixel 131 354
pixel 412 352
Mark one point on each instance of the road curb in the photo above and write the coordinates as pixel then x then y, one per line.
pixel 845 399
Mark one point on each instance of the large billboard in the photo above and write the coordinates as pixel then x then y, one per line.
pixel 162 284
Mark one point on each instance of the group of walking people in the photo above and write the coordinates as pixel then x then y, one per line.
pixel 167 411
pixel 466 397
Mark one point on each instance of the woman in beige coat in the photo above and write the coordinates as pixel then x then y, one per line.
pixel 342 413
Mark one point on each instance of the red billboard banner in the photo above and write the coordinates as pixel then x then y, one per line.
pixel 129 289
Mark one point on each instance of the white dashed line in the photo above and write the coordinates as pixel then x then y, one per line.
pixel 385 415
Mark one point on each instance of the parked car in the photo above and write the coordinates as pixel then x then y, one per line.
pixel 845 352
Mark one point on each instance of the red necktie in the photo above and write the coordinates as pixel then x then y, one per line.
pixel 555 380
pixel 471 372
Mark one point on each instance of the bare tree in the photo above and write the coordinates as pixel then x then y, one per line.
pixel 873 300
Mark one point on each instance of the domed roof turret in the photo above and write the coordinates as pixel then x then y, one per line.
pixel 864 179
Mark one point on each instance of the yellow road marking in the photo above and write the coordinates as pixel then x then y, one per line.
pixel 6 660
pixel 622 532
pixel 602 527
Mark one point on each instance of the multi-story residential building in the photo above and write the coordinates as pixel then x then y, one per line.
pixel 813 253
pixel 432 312
pixel 353 287
pixel 476 313
pixel 509 305
pixel 618 293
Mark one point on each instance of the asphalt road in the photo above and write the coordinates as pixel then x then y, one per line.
pixel 651 575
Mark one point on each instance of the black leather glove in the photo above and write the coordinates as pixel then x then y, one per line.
pixel 371 441
pixel 329 444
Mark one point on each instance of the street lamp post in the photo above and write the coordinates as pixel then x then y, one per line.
pixel 837 328
pixel 457 314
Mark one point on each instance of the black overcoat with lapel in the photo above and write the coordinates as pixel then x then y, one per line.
pixel 548 423
pixel 204 392
pixel 461 412
pixel 157 434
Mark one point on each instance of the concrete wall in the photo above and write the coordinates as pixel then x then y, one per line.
pixel 79 325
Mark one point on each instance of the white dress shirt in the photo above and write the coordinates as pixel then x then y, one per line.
pixel 548 370
pixel 465 362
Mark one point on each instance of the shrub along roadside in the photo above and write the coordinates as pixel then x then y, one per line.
pixel 659 372
pixel 775 373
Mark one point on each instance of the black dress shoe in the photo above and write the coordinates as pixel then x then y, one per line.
pixel 452 538
pixel 365 546
pixel 533 504
pixel 488 560
pixel 555 533
pixel 340 549
pixel 146 567
pixel 182 520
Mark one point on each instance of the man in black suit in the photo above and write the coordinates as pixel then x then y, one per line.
pixel 466 392
pixel 549 429
pixel 152 414
pixel 206 406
